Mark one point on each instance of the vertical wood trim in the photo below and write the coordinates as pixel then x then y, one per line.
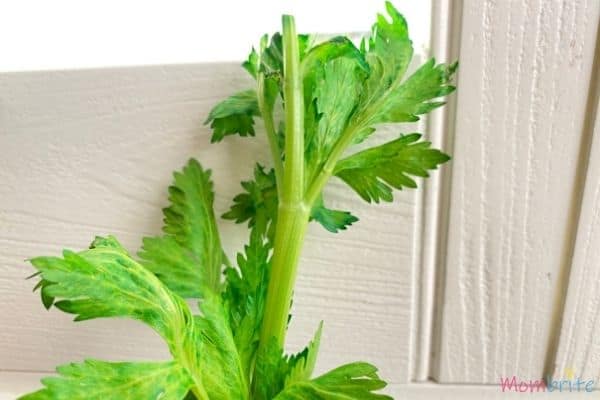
pixel 432 205
pixel 578 351
pixel 524 75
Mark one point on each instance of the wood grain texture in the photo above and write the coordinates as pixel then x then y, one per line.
pixel 579 347
pixel 91 152
pixel 523 81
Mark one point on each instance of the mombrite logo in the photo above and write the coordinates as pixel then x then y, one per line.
pixel 572 383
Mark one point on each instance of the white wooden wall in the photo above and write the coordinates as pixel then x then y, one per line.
pixel 520 152
pixel 92 152
pixel 579 348
pixel 492 269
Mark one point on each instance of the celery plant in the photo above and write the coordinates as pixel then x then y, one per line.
pixel 334 95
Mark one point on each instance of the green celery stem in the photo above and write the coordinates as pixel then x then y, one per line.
pixel 289 240
pixel 293 213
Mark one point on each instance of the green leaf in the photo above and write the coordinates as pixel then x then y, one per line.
pixel 337 89
pixel 302 364
pixel 386 97
pixel 276 371
pixel 188 259
pixel 245 295
pixel 332 220
pixel 234 115
pixel 105 281
pixel 99 380
pixel 252 63
pixel 332 76
pixel 272 368
pixel 336 47
pixel 388 52
pixel 258 204
pixel 356 381
pixel 271 55
pixel 175 266
pixel 416 95
pixel 221 371
pixel 42 285
pixel 373 173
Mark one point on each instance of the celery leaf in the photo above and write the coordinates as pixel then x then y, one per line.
pixel 337 88
pixel 100 380
pixel 276 371
pixel 272 368
pixel 105 281
pixel 221 371
pixel 374 172
pixel 332 220
pixel 258 203
pixel 356 381
pixel 416 95
pixel 189 257
pixel 245 295
pixel 387 97
pixel 302 364
pixel 234 115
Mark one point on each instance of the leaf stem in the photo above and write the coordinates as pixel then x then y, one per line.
pixel 267 114
pixel 317 185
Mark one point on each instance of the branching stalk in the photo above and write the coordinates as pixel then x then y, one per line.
pixel 317 185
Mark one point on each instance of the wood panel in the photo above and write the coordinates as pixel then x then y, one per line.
pixel 432 205
pixel 579 347
pixel 91 152
pixel 523 83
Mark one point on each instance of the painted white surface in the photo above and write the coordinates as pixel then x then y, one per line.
pixel 91 152
pixel 42 35
pixel 579 349
pixel 523 86
pixel 517 142
pixel 432 205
